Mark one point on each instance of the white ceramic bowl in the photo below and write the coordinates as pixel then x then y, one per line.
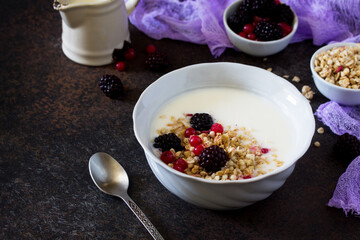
pixel 341 95
pixel 214 194
pixel 256 48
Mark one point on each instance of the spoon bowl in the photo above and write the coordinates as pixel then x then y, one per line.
pixel 111 178
pixel 108 175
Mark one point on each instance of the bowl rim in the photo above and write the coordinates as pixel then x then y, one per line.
pixel 231 32
pixel 211 181
pixel 317 77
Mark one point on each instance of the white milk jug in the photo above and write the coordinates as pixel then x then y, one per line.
pixel 92 29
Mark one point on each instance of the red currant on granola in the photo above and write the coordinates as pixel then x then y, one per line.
pixel 189 132
pixel 195 140
pixel 198 149
pixel 217 128
pixel 167 157
pixel 180 165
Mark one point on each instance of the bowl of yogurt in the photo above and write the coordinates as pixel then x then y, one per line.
pixel 264 117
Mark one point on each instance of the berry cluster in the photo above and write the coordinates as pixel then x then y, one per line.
pixel 212 158
pixel 154 61
pixel 262 20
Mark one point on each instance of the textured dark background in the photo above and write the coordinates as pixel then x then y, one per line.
pixel 54 117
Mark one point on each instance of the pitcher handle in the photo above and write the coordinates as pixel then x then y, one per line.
pixel 130 5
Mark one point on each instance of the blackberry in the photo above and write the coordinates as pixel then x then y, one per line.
pixel 267 31
pixel 156 61
pixel 167 141
pixel 119 54
pixel 262 8
pixel 112 86
pixel 347 147
pixel 283 13
pixel 201 121
pixel 213 158
pixel 238 19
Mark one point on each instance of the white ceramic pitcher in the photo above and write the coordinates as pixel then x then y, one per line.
pixel 92 29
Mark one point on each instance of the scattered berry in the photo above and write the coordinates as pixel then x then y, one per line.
pixel 120 66
pixel 167 141
pixel 150 49
pixel 180 165
pixel 130 54
pixel 247 177
pixel 112 86
pixel 195 140
pixel 189 132
pixel 201 121
pixel 156 61
pixel 339 68
pixel 347 147
pixel 119 54
pixel 213 158
pixel 217 128
pixel 198 149
pixel 167 157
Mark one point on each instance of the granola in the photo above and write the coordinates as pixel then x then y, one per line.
pixel 246 156
pixel 340 66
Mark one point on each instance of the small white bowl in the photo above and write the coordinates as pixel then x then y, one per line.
pixel 256 48
pixel 234 194
pixel 341 95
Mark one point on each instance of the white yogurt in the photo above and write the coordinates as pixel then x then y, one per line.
pixel 236 108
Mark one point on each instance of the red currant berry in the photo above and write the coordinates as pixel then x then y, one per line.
pixel 217 128
pixel 257 19
pixel 242 34
pixel 120 66
pixel 247 177
pixel 180 165
pixel 195 140
pixel 167 157
pixel 251 36
pixel 285 28
pixel 248 28
pixel 189 132
pixel 198 149
pixel 277 2
pixel 150 48
pixel 130 54
pixel 265 150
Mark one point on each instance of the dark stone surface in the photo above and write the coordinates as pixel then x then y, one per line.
pixel 54 117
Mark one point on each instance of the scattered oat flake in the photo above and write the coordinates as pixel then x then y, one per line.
pixel 320 130
pixel 286 76
pixel 269 69
pixel 317 144
pixel 265 59
pixel 296 79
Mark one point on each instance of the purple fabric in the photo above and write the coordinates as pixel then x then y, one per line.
pixel 340 119
pixel 347 191
pixel 344 119
pixel 200 21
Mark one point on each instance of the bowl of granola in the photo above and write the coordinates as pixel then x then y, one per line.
pixel 336 72
pixel 208 138
pixel 260 28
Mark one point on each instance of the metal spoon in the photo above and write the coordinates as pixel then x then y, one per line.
pixel 111 178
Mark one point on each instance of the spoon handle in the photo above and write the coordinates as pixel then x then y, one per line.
pixel 143 219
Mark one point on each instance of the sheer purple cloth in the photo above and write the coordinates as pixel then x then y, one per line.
pixel 200 21
pixel 344 119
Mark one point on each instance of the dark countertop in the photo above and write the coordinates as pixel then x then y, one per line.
pixel 54 117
